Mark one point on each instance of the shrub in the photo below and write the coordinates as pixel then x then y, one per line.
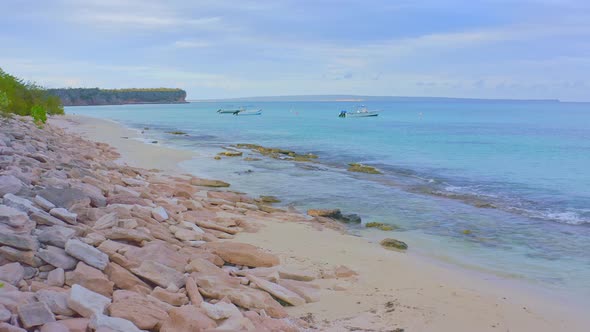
pixel 39 114
pixel 20 97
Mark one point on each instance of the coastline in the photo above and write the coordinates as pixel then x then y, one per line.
pixel 393 290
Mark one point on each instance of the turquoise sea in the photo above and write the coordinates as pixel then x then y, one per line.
pixel 515 174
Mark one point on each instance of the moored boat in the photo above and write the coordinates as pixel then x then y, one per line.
pixel 248 112
pixel 362 112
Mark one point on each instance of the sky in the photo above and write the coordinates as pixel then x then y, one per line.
pixel 526 49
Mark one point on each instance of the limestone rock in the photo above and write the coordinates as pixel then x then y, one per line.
pixel 19 203
pixel 5 327
pixel 175 299
pixel 242 254
pixel 56 235
pixel 393 244
pixel 133 235
pixel 44 218
pixel 277 291
pixel 107 221
pixel 54 327
pixel 101 322
pixel 34 314
pixel 12 273
pixel 138 309
pixel 187 318
pixel 64 197
pixel 124 279
pixel 160 214
pixel 159 274
pixel 309 292
pixel 18 241
pixel 12 217
pixel 56 277
pixel 25 257
pixel 91 279
pixel 56 301
pixel 9 184
pixel 76 324
pixel 43 203
pixel 220 310
pixel 57 257
pixel 192 291
pixel 64 215
pixel 86 302
pixel 87 254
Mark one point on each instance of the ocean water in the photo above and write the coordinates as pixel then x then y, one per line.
pixel 515 174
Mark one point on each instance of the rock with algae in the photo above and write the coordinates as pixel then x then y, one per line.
pixel 277 153
pixel 393 244
pixel 360 168
pixel 380 225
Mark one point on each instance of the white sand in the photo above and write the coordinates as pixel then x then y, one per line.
pixel 422 295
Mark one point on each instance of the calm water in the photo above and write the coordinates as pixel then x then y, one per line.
pixel 517 175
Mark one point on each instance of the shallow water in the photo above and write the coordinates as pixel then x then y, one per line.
pixel 527 163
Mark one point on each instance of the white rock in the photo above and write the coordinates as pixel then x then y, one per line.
pixel 86 302
pixel 159 213
pixel 277 291
pixel 20 203
pixel 64 215
pixel 220 310
pixel 9 184
pixel 193 227
pixel 56 277
pixel 114 323
pixel 12 273
pixel 43 203
pixel 86 253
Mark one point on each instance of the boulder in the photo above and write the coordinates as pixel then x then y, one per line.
pixel 64 197
pixel 137 309
pixel 208 183
pixel 12 273
pixel 187 318
pixel 393 244
pixel 333 214
pixel 159 274
pixel 221 285
pixel 124 279
pixel 309 292
pixel 64 215
pixel 157 251
pixel 160 214
pixel 91 279
pixel 9 184
pixel 44 218
pixel 95 195
pixel 104 323
pixel 277 291
pixel 107 221
pixel 12 217
pixel 43 203
pixel 54 327
pixel 87 254
pixel 56 301
pixel 25 257
pixel 192 290
pixel 242 254
pixel 56 235
pixel 76 324
pixel 34 314
pixel 220 310
pixel 86 302
pixel 56 277
pixel 133 235
pixel 57 257
pixel 19 203
pixel 5 314
pixel 175 299
pixel 5 327
pixel 19 241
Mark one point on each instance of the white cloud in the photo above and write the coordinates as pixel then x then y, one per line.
pixel 191 44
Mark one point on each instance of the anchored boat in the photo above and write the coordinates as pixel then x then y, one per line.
pixel 361 112
pixel 248 112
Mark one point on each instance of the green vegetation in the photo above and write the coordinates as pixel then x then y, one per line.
pixel 96 96
pixel 39 114
pixel 25 98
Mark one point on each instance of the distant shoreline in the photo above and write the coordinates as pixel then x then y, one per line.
pixel 138 103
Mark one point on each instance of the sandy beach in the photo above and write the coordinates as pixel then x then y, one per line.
pixel 392 291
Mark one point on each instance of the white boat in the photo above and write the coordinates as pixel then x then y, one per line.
pixel 362 112
pixel 248 112
pixel 222 111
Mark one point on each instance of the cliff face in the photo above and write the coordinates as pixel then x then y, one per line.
pixel 95 96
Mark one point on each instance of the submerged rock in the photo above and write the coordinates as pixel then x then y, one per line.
pixel 380 225
pixel 230 153
pixel 393 244
pixel 335 214
pixel 360 168
pixel 277 153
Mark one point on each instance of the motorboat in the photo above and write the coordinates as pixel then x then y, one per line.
pixel 248 112
pixel 225 111
pixel 361 112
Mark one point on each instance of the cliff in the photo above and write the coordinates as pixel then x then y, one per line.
pixel 95 96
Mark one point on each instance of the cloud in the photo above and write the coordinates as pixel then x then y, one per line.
pixel 191 44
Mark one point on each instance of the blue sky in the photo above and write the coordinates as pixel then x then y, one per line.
pixel 221 48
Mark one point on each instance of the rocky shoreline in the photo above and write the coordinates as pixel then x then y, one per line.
pixel 89 244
